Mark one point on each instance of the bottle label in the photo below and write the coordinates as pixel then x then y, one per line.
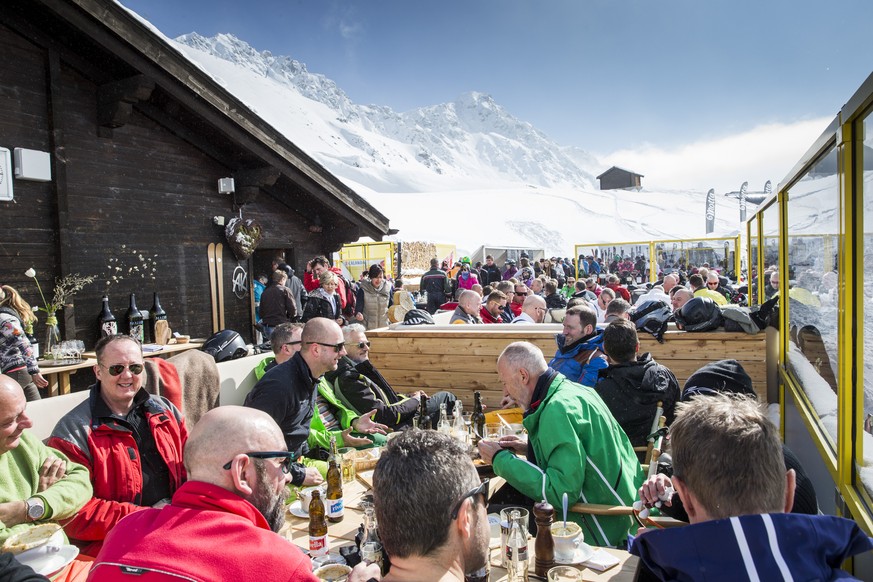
pixel 335 507
pixel 108 328
pixel 522 553
pixel 318 545
pixel 136 330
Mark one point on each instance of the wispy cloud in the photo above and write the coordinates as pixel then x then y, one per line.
pixel 351 31
pixel 766 152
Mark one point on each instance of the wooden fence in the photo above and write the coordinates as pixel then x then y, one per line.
pixel 463 359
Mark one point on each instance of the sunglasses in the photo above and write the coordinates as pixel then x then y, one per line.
pixel 117 369
pixel 286 462
pixel 482 488
pixel 338 347
pixel 292 343
pixel 360 345
pixel 521 294
pixel 713 284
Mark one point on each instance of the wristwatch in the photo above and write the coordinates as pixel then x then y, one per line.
pixel 35 509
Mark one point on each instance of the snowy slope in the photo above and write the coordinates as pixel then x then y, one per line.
pixel 466 172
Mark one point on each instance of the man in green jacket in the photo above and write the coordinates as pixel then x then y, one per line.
pixel 574 445
pixel 37 484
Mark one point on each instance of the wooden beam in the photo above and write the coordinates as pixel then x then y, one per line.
pixel 115 99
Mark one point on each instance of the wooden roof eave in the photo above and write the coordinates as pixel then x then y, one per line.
pixel 113 27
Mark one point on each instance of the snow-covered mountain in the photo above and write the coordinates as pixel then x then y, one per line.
pixel 456 140
pixel 466 172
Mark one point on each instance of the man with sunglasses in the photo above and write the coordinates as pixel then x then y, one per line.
pixel 288 392
pixel 533 310
pixel 129 440
pixel 430 507
pixel 360 386
pixel 222 523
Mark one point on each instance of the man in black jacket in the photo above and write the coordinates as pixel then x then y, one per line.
pixel 633 383
pixel 494 274
pixel 287 392
pixel 360 386
pixel 437 285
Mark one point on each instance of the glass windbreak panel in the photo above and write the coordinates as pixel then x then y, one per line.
pixel 770 242
pixel 865 465
pixel 684 255
pixel 813 248
pixel 753 261
pixel 629 260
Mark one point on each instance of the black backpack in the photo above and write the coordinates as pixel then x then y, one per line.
pixel 652 316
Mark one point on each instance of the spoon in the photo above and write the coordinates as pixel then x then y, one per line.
pixel 564 504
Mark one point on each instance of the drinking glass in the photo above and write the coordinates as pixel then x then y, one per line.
pixel 564 574
pixel 492 431
pixel 514 429
pixel 371 553
pixel 347 462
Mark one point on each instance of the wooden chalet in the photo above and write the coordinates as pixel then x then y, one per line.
pixel 138 137
pixel 616 178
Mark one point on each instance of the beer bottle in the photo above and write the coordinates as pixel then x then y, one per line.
pixel 423 417
pixel 478 417
pixel 317 526
pixel 334 487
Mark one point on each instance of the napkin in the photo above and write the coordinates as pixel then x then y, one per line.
pixel 601 560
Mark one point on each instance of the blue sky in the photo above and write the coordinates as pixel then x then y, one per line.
pixel 604 75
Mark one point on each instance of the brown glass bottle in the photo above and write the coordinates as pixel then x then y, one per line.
pixel 424 422
pixel 477 419
pixel 317 526
pixel 334 487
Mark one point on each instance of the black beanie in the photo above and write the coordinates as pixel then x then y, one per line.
pixel 725 376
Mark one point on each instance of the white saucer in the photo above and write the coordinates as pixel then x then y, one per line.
pixel 296 509
pixel 48 562
pixel 583 554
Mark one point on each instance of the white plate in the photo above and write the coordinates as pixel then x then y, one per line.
pixel 296 509
pixel 583 553
pixel 46 562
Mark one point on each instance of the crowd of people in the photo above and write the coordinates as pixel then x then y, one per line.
pixel 142 493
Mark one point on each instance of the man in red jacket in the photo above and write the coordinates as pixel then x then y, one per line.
pixel 620 291
pixel 221 524
pixel 129 440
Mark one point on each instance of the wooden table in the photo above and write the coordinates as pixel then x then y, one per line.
pixel 165 350
pixel 296 530
pixel 59 376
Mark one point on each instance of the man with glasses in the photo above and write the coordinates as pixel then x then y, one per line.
pixel 222 523
pixel 430 507
pixel 288 392
pixel 129 440
pixel 520 293
pixel 533 310
pixel 285 342
pixel 700 290
pixel 360 386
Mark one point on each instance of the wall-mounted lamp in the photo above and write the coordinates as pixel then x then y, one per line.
pixel 226 186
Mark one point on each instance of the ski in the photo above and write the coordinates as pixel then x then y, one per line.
pixel 219 249
pixel 210 254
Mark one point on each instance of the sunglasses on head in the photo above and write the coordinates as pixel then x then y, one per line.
pixel 338 347
pixel 361 345
pixel 117 369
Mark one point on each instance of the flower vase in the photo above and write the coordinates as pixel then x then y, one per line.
pixel 52 336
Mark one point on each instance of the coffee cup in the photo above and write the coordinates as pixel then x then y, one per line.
pixel 333 573
pixel 566 539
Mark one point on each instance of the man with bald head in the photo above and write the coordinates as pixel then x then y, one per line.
pixel 288 392
pixel 670 281
pixel 574 445
pixel 533 310
pixel 221 523
pixel 467 310
pixel 681 296
pixel 37 484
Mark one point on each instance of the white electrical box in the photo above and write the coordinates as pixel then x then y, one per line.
pixel 5 175
pixel 33 165
pixel 225 186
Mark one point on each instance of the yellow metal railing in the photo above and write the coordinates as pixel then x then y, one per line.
pixel 833 238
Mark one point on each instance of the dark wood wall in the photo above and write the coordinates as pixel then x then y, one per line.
pixel 141 187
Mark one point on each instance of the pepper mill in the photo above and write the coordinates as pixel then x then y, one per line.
pixel 544 546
